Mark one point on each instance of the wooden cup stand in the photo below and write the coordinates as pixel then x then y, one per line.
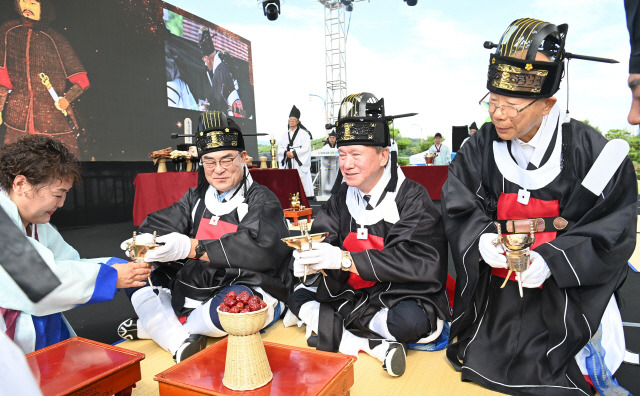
pixel 78 366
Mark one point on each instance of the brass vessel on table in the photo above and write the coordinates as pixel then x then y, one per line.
pixel 429 158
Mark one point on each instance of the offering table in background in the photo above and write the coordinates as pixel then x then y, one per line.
pixel 155 191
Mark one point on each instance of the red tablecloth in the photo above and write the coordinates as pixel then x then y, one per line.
pixel 155 191
pixel 431 177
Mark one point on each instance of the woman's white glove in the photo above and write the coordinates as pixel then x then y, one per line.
pixel 176 247
pixel 141 239
pixel 537 273
pixel 322 256
pixel 492 254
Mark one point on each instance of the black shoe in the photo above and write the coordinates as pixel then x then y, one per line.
pixel 192 345
pixel 129 329
pixel 312 341
pixel 395 361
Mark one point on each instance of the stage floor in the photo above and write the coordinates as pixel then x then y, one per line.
pixel 427 372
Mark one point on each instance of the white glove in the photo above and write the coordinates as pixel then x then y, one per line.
pixel 492 254
pixel 176 247
pixel 537 273
pixel 141 239
pixel 298 268
pixel 323 256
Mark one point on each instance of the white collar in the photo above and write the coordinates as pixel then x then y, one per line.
pixel 216 61
pixel 222 208
pixel 540 141
pixel 377 190
pixel 538 178
pixel 387 209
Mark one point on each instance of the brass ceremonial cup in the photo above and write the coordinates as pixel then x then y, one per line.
pixel 274 154
pixel 429 158
pixel 517 250
pixel 304 242
pixel 137 251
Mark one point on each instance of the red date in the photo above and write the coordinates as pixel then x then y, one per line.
pixel 241 303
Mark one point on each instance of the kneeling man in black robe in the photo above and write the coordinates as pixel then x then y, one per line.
pixel 554 327
pixel 221 236
pixel 385 255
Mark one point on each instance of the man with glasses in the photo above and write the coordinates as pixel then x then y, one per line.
pixel 532 171
pixel 221 236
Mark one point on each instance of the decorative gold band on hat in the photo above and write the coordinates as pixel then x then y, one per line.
pixel 513 78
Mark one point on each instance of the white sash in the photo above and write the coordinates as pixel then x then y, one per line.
pixel 537 178
pixel 219 209
pixel 387 209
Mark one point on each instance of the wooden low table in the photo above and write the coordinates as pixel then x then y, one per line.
pixel 295 214
pixel 296 371
pixel 78 366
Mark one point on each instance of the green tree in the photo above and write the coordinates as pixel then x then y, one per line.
pixel 634 145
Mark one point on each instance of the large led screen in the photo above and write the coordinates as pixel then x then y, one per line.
pixel 132 71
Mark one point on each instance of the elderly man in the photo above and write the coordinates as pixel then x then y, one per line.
pixel 294 151
pixel 385 255
pixel 226 232
pixel 532 171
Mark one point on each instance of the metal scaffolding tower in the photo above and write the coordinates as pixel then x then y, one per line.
pixel 335 42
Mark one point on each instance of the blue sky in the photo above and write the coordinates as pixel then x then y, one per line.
pixel 427 59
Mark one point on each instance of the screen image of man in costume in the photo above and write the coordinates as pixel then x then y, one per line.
pixel 224 92
pixel 294 150
pixel 29 48
pixel 226 234
pixel 385 256
pixel 533 168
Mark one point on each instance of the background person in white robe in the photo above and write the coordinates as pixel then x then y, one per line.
pixel 36 172
pixel 444 152
pixel 294 151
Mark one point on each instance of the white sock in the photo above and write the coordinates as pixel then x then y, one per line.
pixel 199 322
pixel 158 319
pixel 379 324
pixel 379 352
pixel 351 344
pixel 310 314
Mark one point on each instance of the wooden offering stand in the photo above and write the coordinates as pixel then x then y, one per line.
pixel 78 366
pixel 295 214
pixel 296 371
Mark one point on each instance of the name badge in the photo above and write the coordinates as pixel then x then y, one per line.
pixel 214 220
pixel 363 233
pixel 523 196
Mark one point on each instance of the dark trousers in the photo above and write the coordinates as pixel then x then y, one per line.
pixel 406 321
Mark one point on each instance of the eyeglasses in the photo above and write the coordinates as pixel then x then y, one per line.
pixel 509 111
pixel 224 163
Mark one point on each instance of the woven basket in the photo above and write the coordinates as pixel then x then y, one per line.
pixel 241 324
pixel 247 366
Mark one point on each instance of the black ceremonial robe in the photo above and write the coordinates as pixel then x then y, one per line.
pixel 412 265
pixel 528 345
pixel 253 255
